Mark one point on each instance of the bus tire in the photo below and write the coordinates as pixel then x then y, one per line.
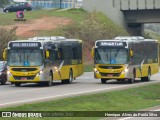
pixel 147 78
pixel 63 81
pixel 142 79
pixel 103 80
pixel 69 81
pixel 12 82
pixel 17 84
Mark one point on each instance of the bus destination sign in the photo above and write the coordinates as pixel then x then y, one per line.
pixel 110 44
pixel 24 44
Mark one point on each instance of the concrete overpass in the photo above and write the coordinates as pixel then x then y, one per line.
pixel 130 14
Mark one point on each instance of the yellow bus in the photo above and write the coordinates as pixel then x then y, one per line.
pixel 125 58
pixel 44 59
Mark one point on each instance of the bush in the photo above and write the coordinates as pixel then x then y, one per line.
pixel 6 35
pixel 95 27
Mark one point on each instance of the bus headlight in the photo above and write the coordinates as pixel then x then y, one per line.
pixel 125 70
pixel 55 68
pixel 9 73
pixel 95 70
pixel 41 72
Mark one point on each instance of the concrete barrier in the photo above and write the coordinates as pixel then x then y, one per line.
pixel 107 7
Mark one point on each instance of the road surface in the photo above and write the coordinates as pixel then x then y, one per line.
pixel 11 95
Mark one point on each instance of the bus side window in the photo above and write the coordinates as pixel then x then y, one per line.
pixel 75 53
pixel 60 54
pixel 70 55
pixel 53 55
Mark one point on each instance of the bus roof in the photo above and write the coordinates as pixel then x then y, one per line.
pixel 125 39
pixel 42 41
pixel 52 39
pixel 129 38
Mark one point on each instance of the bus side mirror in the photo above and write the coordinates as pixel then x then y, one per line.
pixel 93 52
pixel 5 54
pixel 47 53
pixel 131 52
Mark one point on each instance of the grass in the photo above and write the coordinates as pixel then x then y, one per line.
pixel 74 14
pixel 84 26
pixel 131 99
pixel 152 34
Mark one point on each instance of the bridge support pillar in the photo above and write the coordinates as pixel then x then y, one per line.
pixel 136 29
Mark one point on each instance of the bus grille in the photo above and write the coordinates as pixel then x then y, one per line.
pixel 24 69
pixel 22 77
pixel 110 67
pixel 110 74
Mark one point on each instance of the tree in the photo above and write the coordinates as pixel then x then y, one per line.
pixel 4 2
pixel 6 36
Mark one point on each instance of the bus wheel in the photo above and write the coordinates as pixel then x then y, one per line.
pixel 17 84
pixel 103 80
pixel 63 81
pixel 70 77
pixel 147 78
pixel 49 83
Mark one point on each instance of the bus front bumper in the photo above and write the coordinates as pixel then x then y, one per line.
pixel 110 75
pixel 26 79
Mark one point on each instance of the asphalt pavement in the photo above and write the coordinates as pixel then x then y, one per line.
pixel 85 84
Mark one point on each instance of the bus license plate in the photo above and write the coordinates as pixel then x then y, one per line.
pixel 110 75
pixel 23 78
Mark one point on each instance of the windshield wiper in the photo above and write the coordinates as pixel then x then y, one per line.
pixel 116 53
pixel 29 53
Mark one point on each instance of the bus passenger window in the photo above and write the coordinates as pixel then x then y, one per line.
pixel 75 53
pixel 60 54
pixel 53 55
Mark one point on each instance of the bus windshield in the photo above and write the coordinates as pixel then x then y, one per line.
pixel 30 57
pixel 111 55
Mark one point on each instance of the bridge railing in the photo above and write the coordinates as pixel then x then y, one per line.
pixel 136 4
